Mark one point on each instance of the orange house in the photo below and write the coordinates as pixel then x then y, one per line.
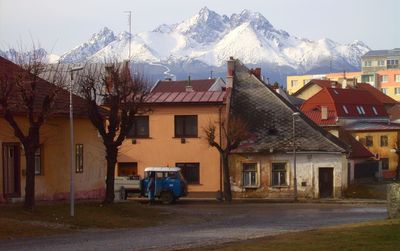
pixel 52 160
pixel 171 133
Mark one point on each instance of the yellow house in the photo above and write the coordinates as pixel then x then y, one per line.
pixel 171 134
pixel 52 166
pixel 295 83
pixel 381 139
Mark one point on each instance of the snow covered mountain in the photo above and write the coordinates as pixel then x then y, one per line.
pixel 205 41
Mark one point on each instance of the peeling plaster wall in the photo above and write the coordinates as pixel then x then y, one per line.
pixel 307 166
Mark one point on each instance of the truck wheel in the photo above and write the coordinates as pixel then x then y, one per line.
pixel 167 197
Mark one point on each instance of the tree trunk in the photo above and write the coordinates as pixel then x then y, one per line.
pixel 111 158
pixel 227 181
pixel 30 178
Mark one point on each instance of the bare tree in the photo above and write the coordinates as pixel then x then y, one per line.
pixel 233 133
pixel 122 96
pixel 24 93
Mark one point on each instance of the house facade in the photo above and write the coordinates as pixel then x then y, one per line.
pixel 52 160
pixel 171 133
pixel 282 140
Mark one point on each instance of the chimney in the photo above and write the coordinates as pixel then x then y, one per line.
pixel 256 72
pixel 168 79
pixel 189 87
pixel 344 83
pixel 324 113
pixel 230 72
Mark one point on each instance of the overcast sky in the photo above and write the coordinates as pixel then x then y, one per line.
pixel 61 25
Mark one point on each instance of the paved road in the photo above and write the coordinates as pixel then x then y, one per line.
pixel 208 223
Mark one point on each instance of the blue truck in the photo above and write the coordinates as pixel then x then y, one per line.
pixel 170 185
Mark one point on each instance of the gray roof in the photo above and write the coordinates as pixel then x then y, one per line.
pixel 373 126
pixel 383 53
pixel 269 119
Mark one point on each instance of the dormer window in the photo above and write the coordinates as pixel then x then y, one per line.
pixel 345 109
pixel 374 110
pixel 336 92
pixel 360 110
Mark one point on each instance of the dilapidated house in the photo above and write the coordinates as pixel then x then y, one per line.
pixel 263 165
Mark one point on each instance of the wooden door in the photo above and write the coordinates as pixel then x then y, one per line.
pixel 11 170
pixel 325 182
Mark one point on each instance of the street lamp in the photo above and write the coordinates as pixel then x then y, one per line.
pixel 294 115
pixel 71 132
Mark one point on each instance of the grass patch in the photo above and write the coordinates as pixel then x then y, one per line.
pixel 381 235
pixel 53 218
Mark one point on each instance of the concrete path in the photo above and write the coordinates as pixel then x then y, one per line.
pixel 201 224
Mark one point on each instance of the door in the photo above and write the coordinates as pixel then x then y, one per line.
pixel 325 182
pixel 11 170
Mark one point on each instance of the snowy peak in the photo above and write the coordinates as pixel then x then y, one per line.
pixel 256 19
pixel 204 27
pixel 96 42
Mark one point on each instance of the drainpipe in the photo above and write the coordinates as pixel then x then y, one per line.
pixel 220 156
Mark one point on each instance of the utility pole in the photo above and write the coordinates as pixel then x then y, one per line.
pixel 130 32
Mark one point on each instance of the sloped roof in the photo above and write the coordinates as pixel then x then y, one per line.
pixel 320 82
pixel 358 150
pixel 384 53
pixel 269 119
pixel 200 97
pixel 373 126
pixel 61 106
pixel 344 103
pixel 199 85
pixel 382 97
pixel 317 118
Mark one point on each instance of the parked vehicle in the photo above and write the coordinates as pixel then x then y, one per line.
pixel 125 185
pixel 170 185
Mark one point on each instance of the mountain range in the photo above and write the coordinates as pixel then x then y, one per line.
pixel 205 41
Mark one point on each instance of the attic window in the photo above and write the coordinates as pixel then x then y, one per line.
pixel 375 111
pixel 360 110
pixel 345 109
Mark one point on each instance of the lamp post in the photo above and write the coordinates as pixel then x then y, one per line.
pixel 294 115
pixel 71 132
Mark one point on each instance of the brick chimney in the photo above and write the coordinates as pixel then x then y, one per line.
pixel 256 72
pixel 230 72
pixel 324 113
pixel 189 87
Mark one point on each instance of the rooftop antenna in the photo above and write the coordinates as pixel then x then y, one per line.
pixel 130 31
pixel 211 74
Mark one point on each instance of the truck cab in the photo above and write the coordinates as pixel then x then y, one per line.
pixel 170 185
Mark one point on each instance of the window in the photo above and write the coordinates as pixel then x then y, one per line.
pixel 294 83
pixel 190 171
pixel 397 78
pixel 345 109
pixel 367 63
pixel 384 78
pixel 369 141
pixel 79 158
pixel 392 62
pixel 360 110
pixel 305 81
pixel 385 163
pixel 381 63
pixel 127 169
pixel 250 175
pixel 384 140
pixel 38 161
pixel 384 90
pixel 185 126
pixel 374 110
pixel 397 90
pixel 279 174
pixel 140 127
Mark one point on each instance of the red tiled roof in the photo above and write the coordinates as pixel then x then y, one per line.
pixel 342 100
pixel 319 82
pixel 187 97
pixel 61 106
pixel 199 85
pixel 358 150
pixel 316 117
pixel 383 98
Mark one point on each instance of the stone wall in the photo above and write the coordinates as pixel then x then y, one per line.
pixel 393 201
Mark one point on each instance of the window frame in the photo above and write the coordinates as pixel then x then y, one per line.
pixel 257 174
pixel 184 126
pixel 369 140
pixel 397 78
pixel 286 172
pixel 183 165
pixel 384 141
pixel 384 78
pixel 397 90
pixel 135 134
pixel 79 158
pixel 345 109
pixel 39 156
